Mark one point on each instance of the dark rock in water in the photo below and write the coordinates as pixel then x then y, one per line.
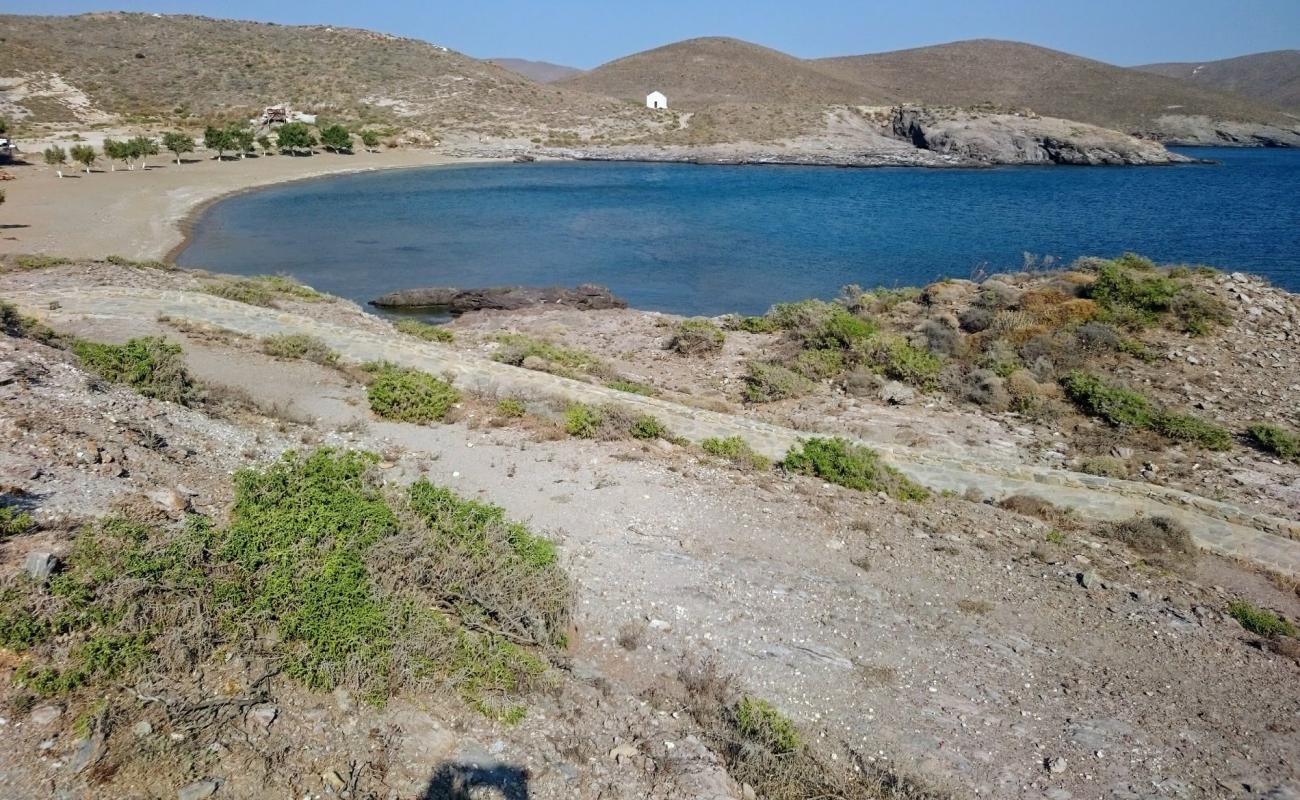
pixel 587 297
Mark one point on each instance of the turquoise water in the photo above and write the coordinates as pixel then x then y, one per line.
pixel 712 239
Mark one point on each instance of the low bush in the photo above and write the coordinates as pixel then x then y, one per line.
pixel 122 261
pixel 150 365
pixel 818 364
pixel 1097 337
pixel 1117 406
pixel 262 290
pixel 898 359
pixel 976 319
pixel 462 598
pixel 1261 621
pixel 737 451
pixel 1191 429
pixel 1104 466
pixel 14 522
pixel 295 346
pixel 758 721
pixel 647 426
pixel 852 466
pixel 941 339
pixel 516 349
pixel 1031 506
pixel 1276 440
pixel 1116 288
pixel 511 408
pixel 1162 541
pixel 697 337
pixel 1199 312
pixel 33 262
pixel 767 382
pixel 15 324
pixel 762 324
pixel 425 331
pixel 633 387
pixel 984 388
pixel 836 327
pixel 582 421
pixel 409 395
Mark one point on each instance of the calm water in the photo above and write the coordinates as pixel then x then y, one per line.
pixel 708 240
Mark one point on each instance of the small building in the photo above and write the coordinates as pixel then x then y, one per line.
pixel 656 100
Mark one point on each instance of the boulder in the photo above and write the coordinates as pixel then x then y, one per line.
pixel 587 297
pixel 40 565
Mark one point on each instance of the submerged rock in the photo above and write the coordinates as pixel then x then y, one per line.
pixel 504 298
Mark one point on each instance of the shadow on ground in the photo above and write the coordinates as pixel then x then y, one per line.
pixel 465 781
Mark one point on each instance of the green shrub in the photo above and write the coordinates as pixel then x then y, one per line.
pixel 582 421
pixel 762 324
pixel 737 451
pixel 262 290
pixel 511 408
pixel 122 261
pixel 1104 466
pixel 425 331
pixel 1276 440
pixel 853 466
pixel 1117 406
pixel 516 348
pixel 819 364
pixel 1199 312
pixel 151 366
pixel 695 337
pixel 767 382
pixel 802 317
pixel 759 722
pixel 1116 288
pixel 295 346
pixel 647 426
pixel 14 522
pixel 839 328
pixel 1188 428
pixel 633 387
pixel 1260 621
pixel 409 395
pixel 902 361
pixel 34 262
pixel 1135 262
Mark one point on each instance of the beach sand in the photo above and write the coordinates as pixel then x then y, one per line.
pixel 143 214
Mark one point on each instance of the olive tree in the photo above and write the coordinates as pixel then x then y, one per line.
pixel 56 157
pixel 218 139
pixel 117 151
pixel 371 141
pixel 295 136
pixel 142 147
pixel 84 155
pixel 264 142
pixel 241 139
pixel 177 143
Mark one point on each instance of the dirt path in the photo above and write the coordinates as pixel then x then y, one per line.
pixel 927 634
pixel 1218 527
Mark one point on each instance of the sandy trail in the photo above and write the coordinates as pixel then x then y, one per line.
pixel 141 214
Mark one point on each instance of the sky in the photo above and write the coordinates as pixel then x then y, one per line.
pixel 586 33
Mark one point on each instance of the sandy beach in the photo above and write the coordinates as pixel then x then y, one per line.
pixel 142 214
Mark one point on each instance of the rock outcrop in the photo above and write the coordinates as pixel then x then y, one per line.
pixel 1177 129
pixel 587 297
pixel 996 138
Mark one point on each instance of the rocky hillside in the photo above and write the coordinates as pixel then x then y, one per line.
pixel 540 71
pixel 1012 75
pixel 1272 78
pixel 715 70
pixel 144 67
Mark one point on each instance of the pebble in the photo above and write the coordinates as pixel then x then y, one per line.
pixel 1089 580
pixel 40 564
pixel 142 728
pixel 1055 765
pixel 333 780
pixel 44 715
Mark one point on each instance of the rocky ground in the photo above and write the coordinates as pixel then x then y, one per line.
pixel 995 653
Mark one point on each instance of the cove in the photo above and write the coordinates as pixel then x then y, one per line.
pixel 708 240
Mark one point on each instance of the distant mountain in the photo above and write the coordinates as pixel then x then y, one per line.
pixel 714 71
pixel 1272 78
pixel 1015 75
pixel 540 71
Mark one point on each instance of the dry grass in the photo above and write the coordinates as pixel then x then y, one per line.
pixel 1161 541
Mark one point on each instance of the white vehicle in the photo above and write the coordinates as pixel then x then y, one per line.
pixel 7 149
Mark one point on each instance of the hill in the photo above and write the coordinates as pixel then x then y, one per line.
pixel 540 71
pixel 144 67
pixel 1022 76
pixel 1272 78
pixel 714 71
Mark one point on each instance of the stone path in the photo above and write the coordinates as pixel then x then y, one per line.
pixel 1216 526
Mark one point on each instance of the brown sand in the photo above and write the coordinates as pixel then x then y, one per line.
pixel 142 214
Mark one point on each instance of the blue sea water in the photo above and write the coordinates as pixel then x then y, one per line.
pixel 713 239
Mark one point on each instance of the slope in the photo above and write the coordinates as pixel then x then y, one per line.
pixel 1272 77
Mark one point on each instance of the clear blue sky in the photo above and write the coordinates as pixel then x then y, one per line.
pixel 584 33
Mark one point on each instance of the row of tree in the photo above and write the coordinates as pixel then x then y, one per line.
pixel 292 137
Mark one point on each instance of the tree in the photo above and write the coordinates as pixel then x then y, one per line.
pixel 177 143
pixel 4 126
pixel 142 147
pixel 264 142
pixel 336 137
pixel 371 140
pixel 56 157
pixel 117 151
pixel 241 139
pixel 84 155
pixel 295 136
pixel 218 139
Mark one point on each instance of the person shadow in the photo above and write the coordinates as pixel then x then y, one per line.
pixel 455 781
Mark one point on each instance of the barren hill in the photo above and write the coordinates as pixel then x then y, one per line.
pixel 717 70
pixel 1049 82
pixel 1272 77
pixel 143 66
pixel 540 71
